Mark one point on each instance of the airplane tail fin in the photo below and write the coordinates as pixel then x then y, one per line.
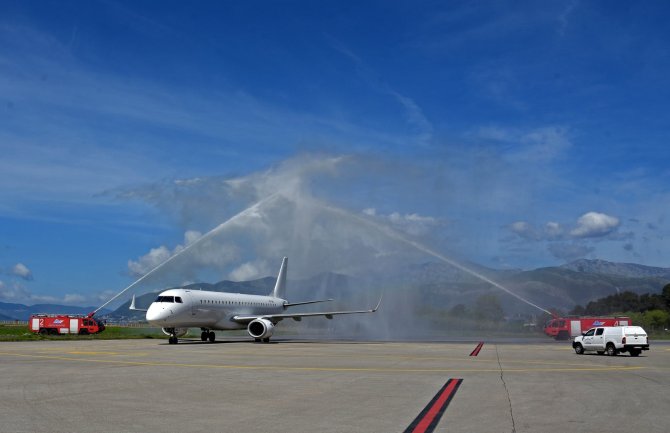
pixel 280 286
pixel 133 307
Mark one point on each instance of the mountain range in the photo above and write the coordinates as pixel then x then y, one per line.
pixel 9 311
pixel 433 287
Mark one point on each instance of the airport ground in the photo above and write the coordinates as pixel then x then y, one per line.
pixel 326 386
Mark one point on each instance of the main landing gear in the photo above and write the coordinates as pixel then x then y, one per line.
pixel 207 335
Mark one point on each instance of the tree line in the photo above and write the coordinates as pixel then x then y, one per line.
pixel 648 310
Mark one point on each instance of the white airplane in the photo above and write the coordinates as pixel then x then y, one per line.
pixel 176 310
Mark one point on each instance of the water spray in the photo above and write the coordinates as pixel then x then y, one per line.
pixel 207 235
pixel 399 237
pixel 387 231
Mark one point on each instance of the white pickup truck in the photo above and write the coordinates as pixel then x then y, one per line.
pixel 612 340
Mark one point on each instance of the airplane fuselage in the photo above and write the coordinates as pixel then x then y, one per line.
pixel 211 310
pixel 176 310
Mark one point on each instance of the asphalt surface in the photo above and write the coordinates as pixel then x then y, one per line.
pixel 299 386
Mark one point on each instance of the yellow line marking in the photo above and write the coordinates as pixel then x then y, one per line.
pixel 342 369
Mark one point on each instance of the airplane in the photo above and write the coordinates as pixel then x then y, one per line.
pixel 176 310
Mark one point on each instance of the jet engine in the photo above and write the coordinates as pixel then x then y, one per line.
pixel 178 332
pixel 260 328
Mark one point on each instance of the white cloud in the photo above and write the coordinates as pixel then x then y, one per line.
pixel 149 261
pixel 205 253
pixel 523 229
pixel 594 224
pixel 571 241
pixel 589 225
pixel 191 236
pixel 413 224
pixel 14 292
pixel 250 271
pixel 22 271
pixel 282 218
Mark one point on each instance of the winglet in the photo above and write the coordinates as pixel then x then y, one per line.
pixel 378 304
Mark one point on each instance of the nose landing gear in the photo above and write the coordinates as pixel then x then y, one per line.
pixel 173 335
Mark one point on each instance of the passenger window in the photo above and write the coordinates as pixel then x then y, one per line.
pixel 590 333
pixel 599 331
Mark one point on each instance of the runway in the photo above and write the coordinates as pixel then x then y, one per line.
pixel 303 386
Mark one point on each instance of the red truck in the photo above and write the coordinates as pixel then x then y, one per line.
pixel 563 328
pixel 65 324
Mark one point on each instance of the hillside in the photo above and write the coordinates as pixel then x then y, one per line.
pixel 603 267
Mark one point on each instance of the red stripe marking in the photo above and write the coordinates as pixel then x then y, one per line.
pixel 477 349
pixel 437 408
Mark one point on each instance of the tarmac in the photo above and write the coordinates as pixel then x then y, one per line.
pixel 327 386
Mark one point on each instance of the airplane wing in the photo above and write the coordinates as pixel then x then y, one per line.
pixel 293 304
pixel 298 316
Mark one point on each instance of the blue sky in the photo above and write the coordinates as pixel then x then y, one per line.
pixel 510 134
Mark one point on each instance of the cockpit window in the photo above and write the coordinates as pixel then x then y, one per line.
pixel 166 299
pixel 178 300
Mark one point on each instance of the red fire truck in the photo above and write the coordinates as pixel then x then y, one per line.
pixel 563 328
pixel 65 324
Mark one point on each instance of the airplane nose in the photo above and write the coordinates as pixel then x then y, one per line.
pixel 156 313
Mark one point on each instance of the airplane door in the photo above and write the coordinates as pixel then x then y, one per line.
pixel 191 302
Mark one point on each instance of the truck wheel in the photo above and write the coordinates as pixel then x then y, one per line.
pixel 634 352
pixel 44 331
pixel 562 335
pixel 579 350
pixel 611 350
